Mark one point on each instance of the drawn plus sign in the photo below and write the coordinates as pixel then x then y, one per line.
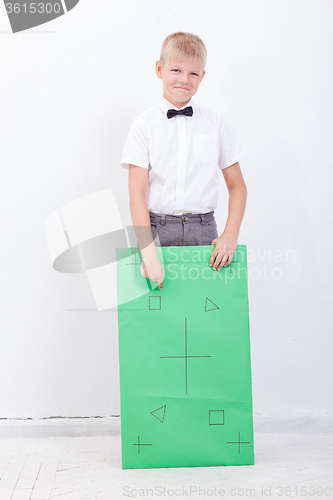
pixel 134 263
pixel 233 262
pixel 239 442
pixel 138 444
pixel 186 356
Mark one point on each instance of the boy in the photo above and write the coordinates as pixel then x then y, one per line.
pixel 173 153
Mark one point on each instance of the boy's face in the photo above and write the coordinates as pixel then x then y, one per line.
pixel 181 79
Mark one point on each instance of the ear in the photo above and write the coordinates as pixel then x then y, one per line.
pixel 158 69
pixel 203 74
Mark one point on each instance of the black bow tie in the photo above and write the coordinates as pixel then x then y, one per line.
pixel 186 111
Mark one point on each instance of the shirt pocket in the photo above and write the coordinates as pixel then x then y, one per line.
pixel 205 147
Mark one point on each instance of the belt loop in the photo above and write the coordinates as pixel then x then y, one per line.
pixel 163 219
pixel 202 216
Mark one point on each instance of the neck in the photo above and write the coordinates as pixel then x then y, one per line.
pixel 178 105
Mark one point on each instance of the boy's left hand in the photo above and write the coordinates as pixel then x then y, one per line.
pixel 225 247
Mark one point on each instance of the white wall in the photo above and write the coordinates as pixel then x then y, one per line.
pixel 68 92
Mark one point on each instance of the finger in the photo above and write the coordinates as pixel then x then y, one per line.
pixel 223 261
pixel 143 272
pixel 229 260
pixel 212 258
pixel 217 260
pixel 160 285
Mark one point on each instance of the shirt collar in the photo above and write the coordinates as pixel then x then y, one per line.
pixel 165 105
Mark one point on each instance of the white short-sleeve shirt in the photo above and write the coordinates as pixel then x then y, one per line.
pixel 183 156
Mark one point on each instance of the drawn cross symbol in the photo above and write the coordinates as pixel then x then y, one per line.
pixel 186 356
pixel 239 442
pixel 134 263
pixel 138 444
pixel 233 262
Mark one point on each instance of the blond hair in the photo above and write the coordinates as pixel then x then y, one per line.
pixel 183 45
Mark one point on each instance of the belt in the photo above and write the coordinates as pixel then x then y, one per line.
pixel 188 218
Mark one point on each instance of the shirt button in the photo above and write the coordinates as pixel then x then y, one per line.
pixel 179 190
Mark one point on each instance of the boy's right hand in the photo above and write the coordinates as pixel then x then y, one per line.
pixel 153 270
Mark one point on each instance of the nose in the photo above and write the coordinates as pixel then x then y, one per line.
pixel 185 84
pixel 184 79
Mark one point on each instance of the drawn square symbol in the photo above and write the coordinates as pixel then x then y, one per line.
pixel 216 417
pixel 154 303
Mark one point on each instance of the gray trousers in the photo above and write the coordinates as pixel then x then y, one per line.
pixel 185 229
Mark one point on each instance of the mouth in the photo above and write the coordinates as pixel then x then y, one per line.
pixel 182 88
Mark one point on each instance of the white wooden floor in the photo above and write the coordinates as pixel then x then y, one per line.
pixel 74 459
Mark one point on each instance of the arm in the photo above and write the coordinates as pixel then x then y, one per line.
pixel 138 191
pixel 226 244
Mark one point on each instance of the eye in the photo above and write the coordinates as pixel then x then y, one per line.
pixel 195 74
pixel 175 70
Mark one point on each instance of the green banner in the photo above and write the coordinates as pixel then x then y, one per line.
pixel 185 362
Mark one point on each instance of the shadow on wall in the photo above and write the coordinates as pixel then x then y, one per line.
pixel 83 236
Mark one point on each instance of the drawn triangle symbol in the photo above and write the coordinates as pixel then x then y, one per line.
pixel 208 306
pixel 159 413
